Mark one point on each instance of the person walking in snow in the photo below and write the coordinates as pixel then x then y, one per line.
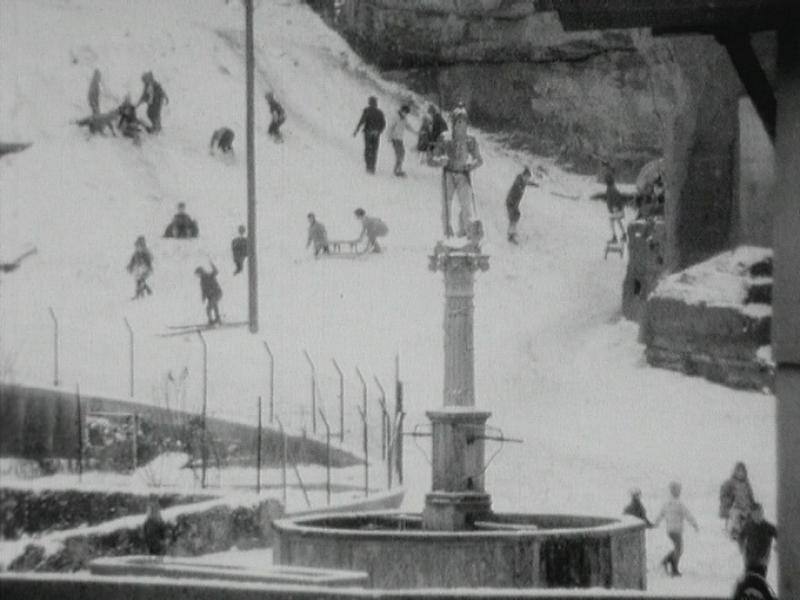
pixel 371 228
pixel 438 126
pixel 141 267
pixel 615 203
pixel 674 513
pixel 239 250
pixel 222 139
pixel 458 157
pixel 736 500
pixel 396 130
pixel 317 235
pixel 635 508
pixel 155 97
pixel 513 199
pixel 277 117
pixel 373 122
pixel 424 134
pixel 94 93
pixel 154 529
pixel 182 225
pixel 210 292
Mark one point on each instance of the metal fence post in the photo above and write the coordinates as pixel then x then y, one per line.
pixel 284 453
pixel 366 450
pixel 384 416
pixel 271 381
pixel 341 400
pixel 313 392
pixel 258 450
pixel 327 456
pixel 398 407
pixel 131 355
pixel 55 345
pixel 135 444
pixel 363 392
pixel 79 416
pixel 204 449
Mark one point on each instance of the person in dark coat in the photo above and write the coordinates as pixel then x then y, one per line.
pixel 317 235
pixel 513 200
pixel 129 124
pixel 222 139
pixel 239 250
pixel 182 225
pixel 94 93
pixel 757 535
pixel 155 529
pixel 141 267
pixel 615 202
pixel 635 507
pixel 277 117
pixel 736 500
pixel 373 122
pixel 210 292
pixel 438 125
pixel 155 97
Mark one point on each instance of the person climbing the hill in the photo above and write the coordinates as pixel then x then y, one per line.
pixel 371 228
pixel 182 225
pixel 396 131
pixel 615 203
pixel 438 126
pixel 373 122
pixel 210 292
pixel 239 248
pixel 129 124
pixel 317 235
pixel 458 157
pixel 635 508
pixel 141 267
pixel 277 117
pixel 155 97
pixel 674 513
pixel 222 139
pixel 513 199
pixel 736 500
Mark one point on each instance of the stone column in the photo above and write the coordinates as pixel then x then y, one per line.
pixel 458 497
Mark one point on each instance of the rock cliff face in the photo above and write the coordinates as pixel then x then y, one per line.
pixel 573 95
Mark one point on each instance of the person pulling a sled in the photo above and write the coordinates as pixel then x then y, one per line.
pixel 317 235
pixel 155 97
pixel 371 228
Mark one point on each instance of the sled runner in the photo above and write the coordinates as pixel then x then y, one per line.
pixel 175 330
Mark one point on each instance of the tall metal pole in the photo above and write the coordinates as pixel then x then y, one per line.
pixel 204 449
pixel 252 270
pixel 131 356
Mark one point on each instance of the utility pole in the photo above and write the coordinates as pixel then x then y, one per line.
pixel 252 267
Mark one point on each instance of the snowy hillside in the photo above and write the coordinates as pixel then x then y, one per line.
pixel 555 364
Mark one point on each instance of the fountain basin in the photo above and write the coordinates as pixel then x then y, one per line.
pixel 511 550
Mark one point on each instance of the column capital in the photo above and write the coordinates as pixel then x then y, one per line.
pixel 467 258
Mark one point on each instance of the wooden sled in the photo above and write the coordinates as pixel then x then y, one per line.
pixel 344 249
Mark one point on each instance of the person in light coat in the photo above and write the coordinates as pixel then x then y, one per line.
pixel 674 514
pixel 396 130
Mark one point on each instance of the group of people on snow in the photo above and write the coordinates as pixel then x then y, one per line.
pixel 744 522
pixel 124 117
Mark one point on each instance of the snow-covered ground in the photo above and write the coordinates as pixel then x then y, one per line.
pixel 556 365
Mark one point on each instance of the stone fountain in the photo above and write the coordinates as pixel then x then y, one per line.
pixel 458 541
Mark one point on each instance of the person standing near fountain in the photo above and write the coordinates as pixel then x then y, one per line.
pixel 635 507
pixel 154 529
pixel 674 513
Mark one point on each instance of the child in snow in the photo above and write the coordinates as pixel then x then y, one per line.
pixel 210 292
pixel 277 117
pixel 155 97
pixel 239 250
pixel 129 124
pixel 674 513
pixel 635 507
pixel 736 500
pixel 141 267
pixel 182 225
pixel 222 138
pixel 154 529
pixel 396 130
pixel 616 208
pixel 372 228
pixel 317 235
pixel 513 200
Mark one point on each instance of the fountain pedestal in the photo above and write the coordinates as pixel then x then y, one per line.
pixel 457 498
